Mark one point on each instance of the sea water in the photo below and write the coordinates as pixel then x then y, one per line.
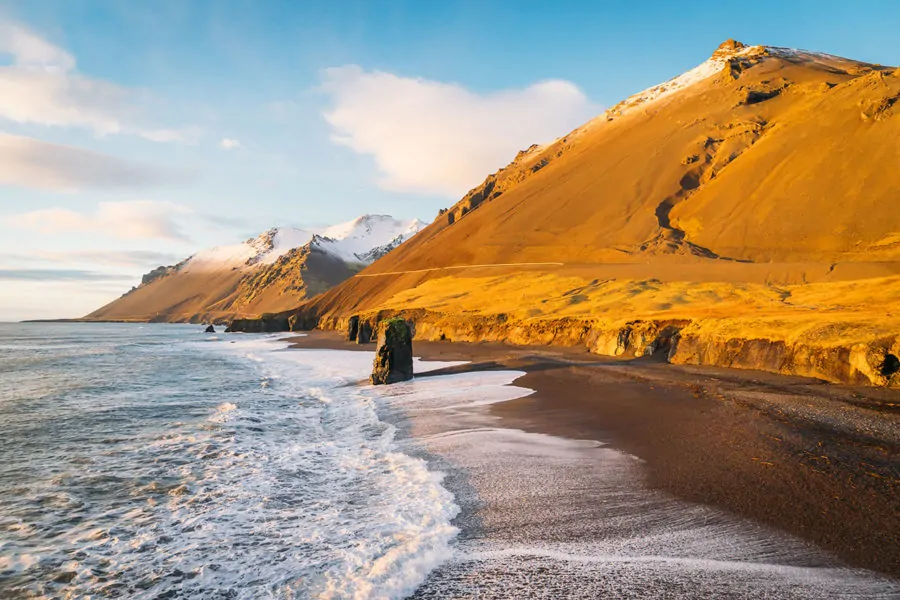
pixel 155 461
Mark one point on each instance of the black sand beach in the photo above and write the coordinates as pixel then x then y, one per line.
pixel 818 461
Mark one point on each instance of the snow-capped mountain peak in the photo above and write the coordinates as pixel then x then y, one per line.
pixel 355 241
pixel 361 240
pixel 704 70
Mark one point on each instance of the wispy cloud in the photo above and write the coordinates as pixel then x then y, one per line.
pixel 42 86
pixel 139 219
pixel 229 143
pixel 434 137
pixel 135 259
pixel 30 163
pixel 60 275
pixel 29 49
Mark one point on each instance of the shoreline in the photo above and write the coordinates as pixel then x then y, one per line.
pixel 818 461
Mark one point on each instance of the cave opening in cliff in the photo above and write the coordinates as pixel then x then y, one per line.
pixel 890 365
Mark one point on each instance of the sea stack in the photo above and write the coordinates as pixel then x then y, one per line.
pixel 393 355
pixel 210 329
pixel 364 333
pixel 353 328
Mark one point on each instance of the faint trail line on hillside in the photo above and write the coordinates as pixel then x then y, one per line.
pixel 534 264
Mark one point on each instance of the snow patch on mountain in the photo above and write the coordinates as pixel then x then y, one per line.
pixel 360 241
pixel 701 72
pixel 367 238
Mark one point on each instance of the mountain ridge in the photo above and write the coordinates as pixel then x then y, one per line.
pixel 281 266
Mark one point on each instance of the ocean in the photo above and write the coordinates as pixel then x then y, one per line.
pixel 156 461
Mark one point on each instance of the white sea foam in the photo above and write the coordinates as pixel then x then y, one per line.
pixel 397 529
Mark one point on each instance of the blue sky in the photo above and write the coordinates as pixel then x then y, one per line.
pixel 134 133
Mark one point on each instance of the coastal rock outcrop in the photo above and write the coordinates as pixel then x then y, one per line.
pixel 210 329
pixel 353 328
pixel 678 341
pixel 364 332
pixel 393 356
pixel 267 323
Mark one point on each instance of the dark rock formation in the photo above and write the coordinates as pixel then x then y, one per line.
pixel 303 321
pixel 364 333
pixel 268 323
pixel 393 356
pixel 156 273
pixel 353 328
pixel 757 96
pixel 210 329
pixel 275 322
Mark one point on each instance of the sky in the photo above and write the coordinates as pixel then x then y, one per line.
pixel 133 134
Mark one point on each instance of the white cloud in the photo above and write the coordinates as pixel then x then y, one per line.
pixel 433 137
pixel 42 87
pixel 138 219
pixel 229 143
pixel 30 163
pixel 29 49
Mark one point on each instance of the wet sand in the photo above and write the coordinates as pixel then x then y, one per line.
pixel 819 461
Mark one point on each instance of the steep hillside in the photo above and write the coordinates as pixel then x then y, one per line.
pixel 709 203
pixel 270 273
pixel 759 154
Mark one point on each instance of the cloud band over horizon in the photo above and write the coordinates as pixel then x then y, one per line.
pixel 135 220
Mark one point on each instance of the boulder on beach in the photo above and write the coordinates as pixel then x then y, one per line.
pixel 210 329
pixel 393 355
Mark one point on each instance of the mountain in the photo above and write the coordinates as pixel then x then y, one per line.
pixel 741 214
pixel 272 272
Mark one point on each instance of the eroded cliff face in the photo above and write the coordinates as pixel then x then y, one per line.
pixel 864 363
pixel 682 342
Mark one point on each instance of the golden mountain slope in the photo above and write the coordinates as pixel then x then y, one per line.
pixel 217 295
pixel 805 175
pixel 749 204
